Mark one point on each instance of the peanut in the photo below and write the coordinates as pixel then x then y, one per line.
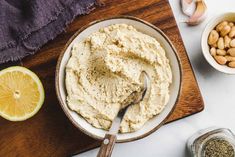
pixel 231 24
pixel 221 60
pixel 213 37
pixel 232 32
pixel 213 51
pixel 221 52
pixel 231 51
pixel 220 43
pixel 221 25
pixel 232 43
pixel 225 30
pixel 231 64
pixel 214 45
pixel 229 58
pixel 227 41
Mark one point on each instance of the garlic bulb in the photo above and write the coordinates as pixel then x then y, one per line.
pixel 198 14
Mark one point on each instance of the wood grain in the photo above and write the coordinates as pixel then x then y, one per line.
pixel 106 149
pixel 49 132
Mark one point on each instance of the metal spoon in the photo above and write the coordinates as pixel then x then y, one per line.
pixel 110 137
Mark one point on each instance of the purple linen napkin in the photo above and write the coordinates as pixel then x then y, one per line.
pixel 25 25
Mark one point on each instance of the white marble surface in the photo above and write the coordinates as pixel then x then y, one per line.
pixel 218 91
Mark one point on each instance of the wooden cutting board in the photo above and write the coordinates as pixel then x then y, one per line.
pixel 49 132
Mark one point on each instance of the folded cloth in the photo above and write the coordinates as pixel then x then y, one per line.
pixel 25 25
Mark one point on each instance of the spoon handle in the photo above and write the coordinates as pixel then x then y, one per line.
pixel 107 146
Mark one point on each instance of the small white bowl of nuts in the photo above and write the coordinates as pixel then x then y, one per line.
pixel 218 43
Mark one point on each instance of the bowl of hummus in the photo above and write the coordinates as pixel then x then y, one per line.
pixel 99 69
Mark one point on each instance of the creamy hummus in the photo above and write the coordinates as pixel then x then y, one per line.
pixel 104 71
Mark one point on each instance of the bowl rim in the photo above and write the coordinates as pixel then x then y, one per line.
pixel 70 41
pixel 205 52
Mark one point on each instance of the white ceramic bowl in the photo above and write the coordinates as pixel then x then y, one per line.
pixel 144 27
pixel 204 44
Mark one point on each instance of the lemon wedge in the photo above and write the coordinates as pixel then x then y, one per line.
pixel 21 93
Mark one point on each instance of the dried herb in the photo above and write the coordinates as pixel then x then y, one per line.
pixel 218 147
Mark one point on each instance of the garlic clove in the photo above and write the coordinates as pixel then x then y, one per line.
pixel 188 7
pixel 199 14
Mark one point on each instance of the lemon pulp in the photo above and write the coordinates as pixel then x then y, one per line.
pixel 21 93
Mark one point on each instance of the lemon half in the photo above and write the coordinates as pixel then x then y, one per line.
pixel 21 93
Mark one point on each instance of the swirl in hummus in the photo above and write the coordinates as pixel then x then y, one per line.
pixel 104 71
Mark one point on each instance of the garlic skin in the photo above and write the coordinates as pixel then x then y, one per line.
pixel 188 7
pixel 199 13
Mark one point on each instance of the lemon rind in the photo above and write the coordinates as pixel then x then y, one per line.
pixel 40 87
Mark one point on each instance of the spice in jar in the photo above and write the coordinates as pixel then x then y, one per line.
pixel 218 147
pixel 212 142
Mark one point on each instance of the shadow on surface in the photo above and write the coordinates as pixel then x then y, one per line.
pixel 203 67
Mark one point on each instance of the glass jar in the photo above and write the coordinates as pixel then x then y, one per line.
pixel 198 143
